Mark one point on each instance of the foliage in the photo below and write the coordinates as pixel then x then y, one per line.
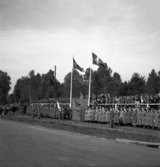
pixel 5 82
pixel 103 77
pixel 35 87
pixel 10 99
pixel 136 85
pixel 115 85
pixel 77 82
pixel 153 83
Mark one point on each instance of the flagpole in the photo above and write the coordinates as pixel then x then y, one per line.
pixel 71 86
pixel 89 91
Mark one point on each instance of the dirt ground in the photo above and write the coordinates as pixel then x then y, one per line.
pixel 93 129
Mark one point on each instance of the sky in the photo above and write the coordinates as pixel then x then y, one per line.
pixel 40 34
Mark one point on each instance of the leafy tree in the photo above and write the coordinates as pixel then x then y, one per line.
pixel 5 82
pixel 47 86
pixel 123 91
pixel 21 90
pixel 10 98
pixel 33 84
pixel 95 84
pixel 103 78
pixel 35 87
pixel 115 84
pixel 158 81
pixel 77 82
pixel 153 83
pixel 136 84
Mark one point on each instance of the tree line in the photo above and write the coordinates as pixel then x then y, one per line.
pixel 103 81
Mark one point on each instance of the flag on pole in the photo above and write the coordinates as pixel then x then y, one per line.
pixel 97 61
pixel 89 90
pixel 58 106
pixel 76 66
pixel 70 104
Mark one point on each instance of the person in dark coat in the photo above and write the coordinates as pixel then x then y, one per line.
pixel 111 117
pixel 139 117
pixel 157 119
pixel 147 117
pixel 129 116
pixel 152 118
pixel 143 115
pixel 124 116
pixel 134 117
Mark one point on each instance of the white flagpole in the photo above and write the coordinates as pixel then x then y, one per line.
pixel 89 91
pixel 71 86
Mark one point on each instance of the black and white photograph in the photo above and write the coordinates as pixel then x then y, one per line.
pixel 79 83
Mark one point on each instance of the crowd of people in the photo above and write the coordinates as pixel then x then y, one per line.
pixel 119 113
pixel 142 99
pixel 53 100
pixel 108 99
pixel 138 110
pixel 126 115
pixel 4 109
pixel 49 110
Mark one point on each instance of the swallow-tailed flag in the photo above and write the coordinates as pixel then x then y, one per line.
pixel 97 61
pixel 76 66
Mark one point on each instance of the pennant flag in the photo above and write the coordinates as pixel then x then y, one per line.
pixel 76 66
pixel 96 60
pixel 58 106
pixel 70 105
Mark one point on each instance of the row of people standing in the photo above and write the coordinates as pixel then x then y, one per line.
pixel 50 111
pixel 140 116
pixel 9 108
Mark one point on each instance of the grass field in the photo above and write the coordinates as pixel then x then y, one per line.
pixel 93 129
